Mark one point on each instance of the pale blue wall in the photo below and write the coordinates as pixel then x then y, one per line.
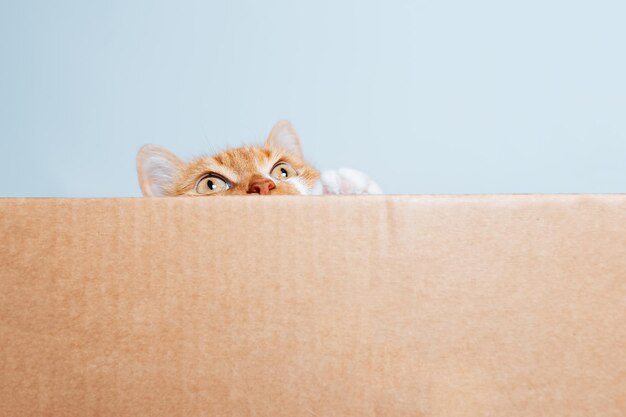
pixel 429 97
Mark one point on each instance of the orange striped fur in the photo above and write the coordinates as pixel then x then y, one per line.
pixel 161 173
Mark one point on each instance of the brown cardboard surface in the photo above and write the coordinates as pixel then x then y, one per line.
pixel 314 306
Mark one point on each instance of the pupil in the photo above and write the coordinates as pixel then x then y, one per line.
pixel 283 172
pixel 210 185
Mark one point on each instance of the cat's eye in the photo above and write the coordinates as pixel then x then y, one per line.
pixel 283 171
pixel 211 184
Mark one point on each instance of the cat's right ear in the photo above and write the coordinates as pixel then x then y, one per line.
pixel 156 169
pixel 283 136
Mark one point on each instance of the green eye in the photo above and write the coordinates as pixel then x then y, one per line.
pixel 211 184
pixel 283 171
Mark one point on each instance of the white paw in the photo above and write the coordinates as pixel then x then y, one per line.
pixel 348 181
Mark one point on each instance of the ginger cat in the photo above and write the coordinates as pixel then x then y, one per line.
pixel 275 168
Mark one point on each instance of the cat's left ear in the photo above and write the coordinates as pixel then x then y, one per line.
pixel 283 136
pixel 157 169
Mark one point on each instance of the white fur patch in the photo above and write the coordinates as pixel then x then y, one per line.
pixel 299 184
pixel 317 189
pixel 348 181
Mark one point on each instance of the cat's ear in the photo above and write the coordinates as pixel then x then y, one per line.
pixel 156 168
pixel 283 136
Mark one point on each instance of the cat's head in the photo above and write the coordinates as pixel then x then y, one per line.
pixel 275 168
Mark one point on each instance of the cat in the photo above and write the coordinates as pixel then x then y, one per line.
pixel 275 168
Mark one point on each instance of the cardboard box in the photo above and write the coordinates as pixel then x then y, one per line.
pixel 314 306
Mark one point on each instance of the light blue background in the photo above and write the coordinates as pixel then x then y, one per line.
pixel 428 97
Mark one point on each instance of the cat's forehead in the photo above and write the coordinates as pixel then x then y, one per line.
pixel 245 157
pixel 236 164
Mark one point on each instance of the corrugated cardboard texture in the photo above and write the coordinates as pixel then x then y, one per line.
pixel 314 306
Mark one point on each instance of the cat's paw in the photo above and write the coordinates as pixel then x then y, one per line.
pixel 348 181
